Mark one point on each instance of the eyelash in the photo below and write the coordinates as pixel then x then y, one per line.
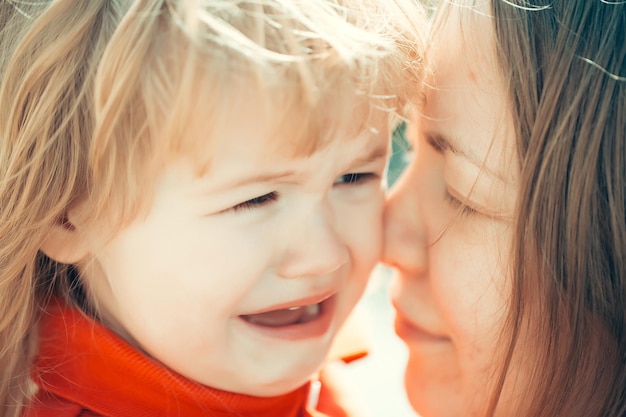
pixel 256 202
pixel 449 198
pixel 457 204
pixel 356 178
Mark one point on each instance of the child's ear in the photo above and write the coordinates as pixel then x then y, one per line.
pixel 65 243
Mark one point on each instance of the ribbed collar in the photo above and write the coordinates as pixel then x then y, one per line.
pixel 83 362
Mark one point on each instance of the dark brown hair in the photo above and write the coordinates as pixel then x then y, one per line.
pixel 565 64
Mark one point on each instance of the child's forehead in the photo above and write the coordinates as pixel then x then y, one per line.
pixel 277 116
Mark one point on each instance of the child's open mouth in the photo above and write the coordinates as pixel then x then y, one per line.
pixel 285 316
pixel 310 320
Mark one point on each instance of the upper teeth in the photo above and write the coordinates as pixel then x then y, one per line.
pixel 313 309
pixel 310 309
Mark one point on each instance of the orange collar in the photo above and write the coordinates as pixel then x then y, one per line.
pixel 84 363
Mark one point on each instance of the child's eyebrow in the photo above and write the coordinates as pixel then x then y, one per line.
pixel 260 178
pixel 380 151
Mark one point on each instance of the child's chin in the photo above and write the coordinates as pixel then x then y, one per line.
pixel 285 383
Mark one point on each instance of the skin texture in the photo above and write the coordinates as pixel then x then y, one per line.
pixel 211 248
pixel 449 224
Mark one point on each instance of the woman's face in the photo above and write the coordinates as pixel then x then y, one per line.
pixel 449 222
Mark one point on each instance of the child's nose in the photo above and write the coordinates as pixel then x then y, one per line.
pixel 315 249
pixel 404 240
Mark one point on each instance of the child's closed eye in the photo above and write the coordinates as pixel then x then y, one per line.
pixel 256 202
pixel 356 178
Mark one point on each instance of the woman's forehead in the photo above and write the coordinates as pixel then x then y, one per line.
pixel 467 100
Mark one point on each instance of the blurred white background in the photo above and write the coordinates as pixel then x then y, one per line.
pixel 377 380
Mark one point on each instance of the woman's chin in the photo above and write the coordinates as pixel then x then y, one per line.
pixel 431 399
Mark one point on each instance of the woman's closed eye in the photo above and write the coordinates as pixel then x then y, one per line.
pixel 256 202
pixel 457 204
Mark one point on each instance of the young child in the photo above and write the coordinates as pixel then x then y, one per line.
pixel 190 197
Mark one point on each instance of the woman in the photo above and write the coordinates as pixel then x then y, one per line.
pixel 508 230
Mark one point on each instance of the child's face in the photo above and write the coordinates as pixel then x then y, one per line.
pixel 453 283
pixel 260 232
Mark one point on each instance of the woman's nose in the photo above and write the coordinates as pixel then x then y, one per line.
pixel 404 240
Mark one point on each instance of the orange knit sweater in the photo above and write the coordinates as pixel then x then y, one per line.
pixel 85 370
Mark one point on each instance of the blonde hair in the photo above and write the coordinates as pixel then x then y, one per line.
pixel 94 94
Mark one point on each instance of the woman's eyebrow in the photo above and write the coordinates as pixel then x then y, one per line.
pixel 443 143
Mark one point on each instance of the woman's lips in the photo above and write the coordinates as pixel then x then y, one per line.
pixel 409 330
